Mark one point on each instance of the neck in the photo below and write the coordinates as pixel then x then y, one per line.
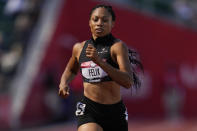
pixel 103 40
pixel 96 37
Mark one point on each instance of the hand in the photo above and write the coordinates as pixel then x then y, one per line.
pixel 92 53
pixel 64 91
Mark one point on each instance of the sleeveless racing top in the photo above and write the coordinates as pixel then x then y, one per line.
pixel 90 71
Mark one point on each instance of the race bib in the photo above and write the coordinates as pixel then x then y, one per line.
pixel 90 70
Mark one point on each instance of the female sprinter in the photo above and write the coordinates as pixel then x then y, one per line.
pixel 105 67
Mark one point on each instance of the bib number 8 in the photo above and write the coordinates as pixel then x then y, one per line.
pixel 80 109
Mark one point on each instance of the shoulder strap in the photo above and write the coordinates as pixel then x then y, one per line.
pixel 82 54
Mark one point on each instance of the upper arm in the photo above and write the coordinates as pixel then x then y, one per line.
pixel 73 64
pixel 120 51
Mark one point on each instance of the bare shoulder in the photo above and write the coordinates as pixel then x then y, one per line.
pixel 77 48
pixel 119 45
pixel 78 45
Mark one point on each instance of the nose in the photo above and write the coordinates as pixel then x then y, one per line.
pixel 100 22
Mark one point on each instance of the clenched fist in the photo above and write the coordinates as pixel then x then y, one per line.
pixel 91 53
pixel 64 91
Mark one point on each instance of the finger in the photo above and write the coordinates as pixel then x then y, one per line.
pixel 65 95
pixel 88 54
pixel 66 91
pixel 90 46
pixel 88 50
pixel 59 92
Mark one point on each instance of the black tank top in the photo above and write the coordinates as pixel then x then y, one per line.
pixel 90 71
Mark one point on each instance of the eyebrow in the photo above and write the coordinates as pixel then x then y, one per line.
pixel 105 16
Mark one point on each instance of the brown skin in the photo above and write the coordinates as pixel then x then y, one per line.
pixel 104 92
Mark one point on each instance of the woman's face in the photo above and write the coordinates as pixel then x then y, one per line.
pixel 100 22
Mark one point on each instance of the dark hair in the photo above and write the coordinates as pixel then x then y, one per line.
pixel 107 7
pixel 136 66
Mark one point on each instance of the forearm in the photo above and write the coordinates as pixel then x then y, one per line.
pixel 67 77
pixel 122 78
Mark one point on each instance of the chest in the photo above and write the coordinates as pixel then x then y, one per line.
pixel 104 52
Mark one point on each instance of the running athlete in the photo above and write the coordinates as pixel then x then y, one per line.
pixel 105 67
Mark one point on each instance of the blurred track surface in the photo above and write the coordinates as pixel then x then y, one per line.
pixel 133 126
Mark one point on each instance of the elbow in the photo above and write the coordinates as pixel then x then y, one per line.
pixel 128 84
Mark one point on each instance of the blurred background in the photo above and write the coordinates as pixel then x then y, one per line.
pixel 36 40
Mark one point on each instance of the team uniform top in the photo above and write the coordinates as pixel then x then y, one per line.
pixel 90 71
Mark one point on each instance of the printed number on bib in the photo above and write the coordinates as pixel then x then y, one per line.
pixel 80 109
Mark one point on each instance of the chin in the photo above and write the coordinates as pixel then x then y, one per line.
pixel 100 34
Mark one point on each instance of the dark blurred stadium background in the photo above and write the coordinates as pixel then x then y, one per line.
pixel 36 39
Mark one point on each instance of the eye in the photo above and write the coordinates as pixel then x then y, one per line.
pixel 95 19
pixel 105 20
